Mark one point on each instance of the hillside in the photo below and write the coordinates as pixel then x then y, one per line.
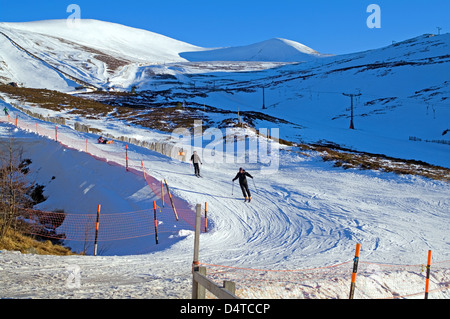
pixel 402 111
pixel 273 50
pixel 308 209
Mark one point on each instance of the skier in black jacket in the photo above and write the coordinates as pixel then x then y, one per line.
pixel 195 159
pixel 243 183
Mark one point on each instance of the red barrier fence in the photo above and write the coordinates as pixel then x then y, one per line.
pixel 105 226
pixel 375 281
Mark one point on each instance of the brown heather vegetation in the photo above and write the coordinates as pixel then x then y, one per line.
pixel 171 115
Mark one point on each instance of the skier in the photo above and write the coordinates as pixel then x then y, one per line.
pixel 195 160
pixel 6 111
pixel 102 140
pixel 243 183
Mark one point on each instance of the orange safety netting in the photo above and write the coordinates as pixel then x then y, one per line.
pixel 173 214
pixel 374 281
pixel 111 227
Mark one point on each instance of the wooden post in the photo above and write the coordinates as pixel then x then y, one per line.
pixel 206 217
pixel 156 222
pixel 230 286
pixel 126 156
pixel 355 270
pixel 96 230
pixel 171 200
pixel 198 220
pixel 427 282
pixel 198 291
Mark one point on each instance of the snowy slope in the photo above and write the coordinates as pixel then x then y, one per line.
pixel 307 214
pixel 273 50
pixel 94 51
pixel 111 55
pixel 405 92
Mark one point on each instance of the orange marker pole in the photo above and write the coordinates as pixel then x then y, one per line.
pixel 156 222
pixel 206 217
pixel 56 133
pixel 17 118
pixel 37 129
pixel 171 200
pixel 355 270
pixel 162 193
pixel 143 169
pixel 86 145
pixel 427 282
pixel 96 230
pixel 126 156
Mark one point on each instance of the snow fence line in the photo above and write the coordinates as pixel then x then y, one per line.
pixel 375 280
pixel 169 215
pixel 167 149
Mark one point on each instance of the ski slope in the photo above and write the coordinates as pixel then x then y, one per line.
pixel 306 214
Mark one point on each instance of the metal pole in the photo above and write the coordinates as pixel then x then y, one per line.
pixel 171 200
pixel 96 230
pixel 156 222
pixel 126 156
pixel 352 126
pixel 355 270
pixel 427 282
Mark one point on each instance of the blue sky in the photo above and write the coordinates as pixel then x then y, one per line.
pixel 331 26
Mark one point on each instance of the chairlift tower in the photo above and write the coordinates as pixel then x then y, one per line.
pixel 352 126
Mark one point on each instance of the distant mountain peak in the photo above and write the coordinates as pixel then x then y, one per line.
pixel 272 50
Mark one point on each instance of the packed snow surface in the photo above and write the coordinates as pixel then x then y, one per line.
pixel 306 213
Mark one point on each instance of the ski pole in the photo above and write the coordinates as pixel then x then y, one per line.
pixel 256 190
pixel 232 189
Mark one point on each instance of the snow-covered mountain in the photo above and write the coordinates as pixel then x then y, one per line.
pixel 405 89
pixel 93 51
pixel 107 54
pixel 310 213
pixel 274 50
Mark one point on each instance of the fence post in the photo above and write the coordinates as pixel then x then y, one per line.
pixel 162 193
pixel 206 217
pixel 156 222
pixel 427 282
pixel 198 219
pixel 198 292
pixel 126 156
pixel 96 230
pixel 230 286
pixel 143 170
pixel 171 200
pixel 355 270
